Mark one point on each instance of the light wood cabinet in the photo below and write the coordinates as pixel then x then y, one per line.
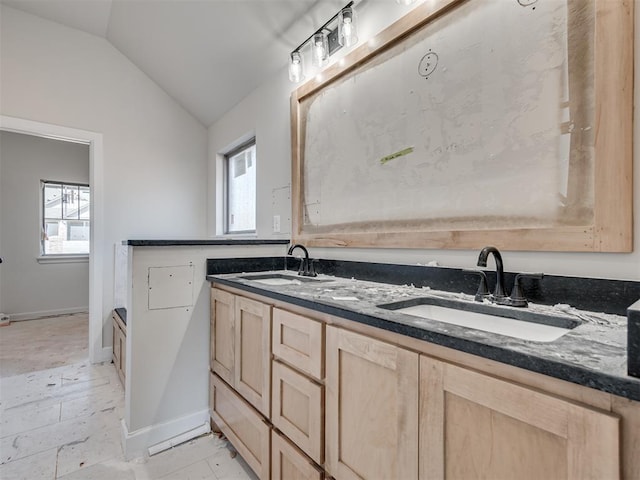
pixel 241 346
pixel 288 463
pixel 119 345
pixel 247 431
pixel 297 390
pixel 297 410
pixel 371 408
pixel 355 402
pixel 252 374
pixel 222 349
pixel 299 341
pixel 473 425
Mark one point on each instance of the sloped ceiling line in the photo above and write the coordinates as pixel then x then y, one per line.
pixel 206 54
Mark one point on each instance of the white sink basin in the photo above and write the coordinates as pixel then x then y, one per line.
pixel 278 281
pixel 525 330
pixel 281 279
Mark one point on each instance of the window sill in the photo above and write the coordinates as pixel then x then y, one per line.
pixel 63 259
pixel 232 236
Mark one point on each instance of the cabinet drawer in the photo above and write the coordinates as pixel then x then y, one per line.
pixel 289 463
pixel 297 410
pixel 247 431
pixel 298 341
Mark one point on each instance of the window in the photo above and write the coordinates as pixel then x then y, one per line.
pixel 65 218
pixel 240 189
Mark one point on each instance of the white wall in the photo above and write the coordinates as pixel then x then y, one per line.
pixel 1 258
pixel 31 289
pixel 154 173
pixel 263 115
pixel 266 112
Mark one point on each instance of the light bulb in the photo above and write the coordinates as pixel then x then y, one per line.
pixel 296 68
pixel 320 49
pixel 347 34
pixel 405 2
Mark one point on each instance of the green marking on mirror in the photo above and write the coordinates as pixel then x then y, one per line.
pixel 393 156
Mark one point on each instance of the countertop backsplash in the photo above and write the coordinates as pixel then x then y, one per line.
pixel 592 294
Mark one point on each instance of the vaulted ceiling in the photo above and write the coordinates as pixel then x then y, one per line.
pixel 207 54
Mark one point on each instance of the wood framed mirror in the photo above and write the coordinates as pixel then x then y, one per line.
pixel 473 122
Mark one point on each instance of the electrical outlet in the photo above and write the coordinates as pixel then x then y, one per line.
pixel 276 224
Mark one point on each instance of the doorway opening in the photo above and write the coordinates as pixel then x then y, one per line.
pixel 97 352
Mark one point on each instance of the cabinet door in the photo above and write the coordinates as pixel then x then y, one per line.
pixel 288 463
pixel 297 409
pixel 116 342
pixel 119 348
pixel 247 431
pixel 476 426
pixel 253 353
pixel 122 340
pixel 222 334
pixel 298 341
pixel 371 408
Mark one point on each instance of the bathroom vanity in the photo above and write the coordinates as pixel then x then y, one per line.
pixel 315 377
pixel 385 377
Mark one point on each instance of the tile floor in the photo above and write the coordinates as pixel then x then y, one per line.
pixel 36 345
pixel 60 416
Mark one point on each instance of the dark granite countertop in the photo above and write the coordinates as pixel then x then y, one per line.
pixel 594 354
pixel 216 241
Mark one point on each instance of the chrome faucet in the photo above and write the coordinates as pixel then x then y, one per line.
pixel 306 264
pixel 499 295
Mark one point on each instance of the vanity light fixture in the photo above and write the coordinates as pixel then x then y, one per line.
pixel 339 31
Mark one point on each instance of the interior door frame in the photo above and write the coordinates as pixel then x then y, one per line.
pixel 97 353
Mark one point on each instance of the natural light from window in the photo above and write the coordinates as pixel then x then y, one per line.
pixel 66 218
pixel 241 190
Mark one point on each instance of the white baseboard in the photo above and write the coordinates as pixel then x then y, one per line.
pixel 17 317
pixel 180 439
pixel 136 444
pixel 106 355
